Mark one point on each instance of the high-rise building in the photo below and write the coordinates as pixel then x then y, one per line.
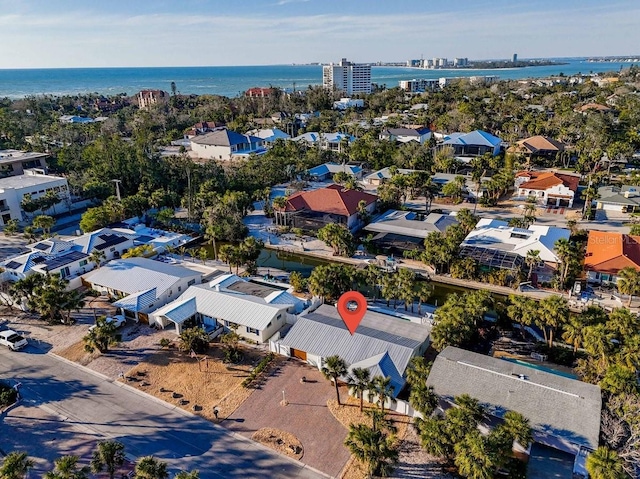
pixel 515 58
pixel 347 77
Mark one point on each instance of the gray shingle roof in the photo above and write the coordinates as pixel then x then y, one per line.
pixel 563 408
pixel 324 334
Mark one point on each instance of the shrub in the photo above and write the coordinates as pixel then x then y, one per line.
pixel 194 339
pixel 165 343
pixel 262 365
pixel 8 395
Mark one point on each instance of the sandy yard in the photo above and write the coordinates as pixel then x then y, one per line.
pixel 196 385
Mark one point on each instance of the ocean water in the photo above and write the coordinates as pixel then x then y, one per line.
pixel 231 81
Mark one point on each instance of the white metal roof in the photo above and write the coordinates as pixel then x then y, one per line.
pixel 137 274
pixel 241 309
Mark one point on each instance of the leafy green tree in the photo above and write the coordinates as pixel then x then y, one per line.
pixel 604 463
pixel 372 448
pixel 334 368
pixel 231 344
pixel 101 337
pixel 11 227
pixel 360 381
pixel 297 281
pixel 67 467
pixel 16 465
pixel 331 280
pixel 45 223
pixel 194 339
pixel 109 456
pixel 148 467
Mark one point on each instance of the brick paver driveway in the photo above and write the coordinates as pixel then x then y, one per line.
pixel 306 416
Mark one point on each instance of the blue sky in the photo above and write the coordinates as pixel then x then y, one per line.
pixel 90 33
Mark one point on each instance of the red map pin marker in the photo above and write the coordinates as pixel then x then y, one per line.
pixel 352 315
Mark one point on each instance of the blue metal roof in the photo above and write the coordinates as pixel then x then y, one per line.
pixel 138 301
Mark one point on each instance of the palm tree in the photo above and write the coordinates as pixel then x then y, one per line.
pixel 360 382
pixel 565 251
pixel 553 312
pixel 45 222
pixel 629 283
pixel 532 259
pixel 383 388
pixel 334 368
pixel 149 467
pixel 473 457
pixel 373 448
pixel 108 455
pixel 573 332
pixel 604 463
pixel 66 467
pixel 16 465
pixel 423 398
pixel 423 292
pixel 517 428
pixel 97 256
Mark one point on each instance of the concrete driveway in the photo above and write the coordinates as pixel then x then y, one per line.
pixel 306 416
pixel 67 408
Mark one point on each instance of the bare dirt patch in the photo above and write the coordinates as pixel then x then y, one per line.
pixel 196 385
pixel 77 354
pixel 280 441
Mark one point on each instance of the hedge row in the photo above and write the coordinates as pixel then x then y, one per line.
pixel 262 365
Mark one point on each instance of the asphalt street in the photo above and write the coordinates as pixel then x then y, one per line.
pixel 63 402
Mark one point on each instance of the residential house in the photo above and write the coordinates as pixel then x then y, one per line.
pixel 260 92
pixel 419 85
pixel 111 242
pixel 148 98
pixel 471 190
pixel 311 210
pixel 255 309
pixel 495 244
pixel 326 171
pixel 141 285
pixel 593 107
pixel 549 188
pixel 420 134
pixel 621 199
pixel 346 103
pixel 202 128
pixel 382 343
pixel 607 253
pixel 400 231
pixel 14 162
pixel 75 120
pixel 224 144
pixel 475 143
pixel 324 141
pixel 538 147
pixel 14 188
pixel 269 135
pixel 378 177
pixel 564 413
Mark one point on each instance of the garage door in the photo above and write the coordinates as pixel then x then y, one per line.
pixel 143 318
pixel 296 353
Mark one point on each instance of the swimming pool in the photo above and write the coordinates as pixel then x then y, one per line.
pixel 541 368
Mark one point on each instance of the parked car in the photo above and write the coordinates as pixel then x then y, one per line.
pixel 12 340
pixel 118 320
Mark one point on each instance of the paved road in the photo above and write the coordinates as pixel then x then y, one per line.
pixel 60 395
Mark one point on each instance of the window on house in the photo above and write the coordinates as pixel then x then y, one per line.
pixel 252 330
pixel 269 324
pixel 191 281
pixel 83 262
pixel 279 317
pixel 179 288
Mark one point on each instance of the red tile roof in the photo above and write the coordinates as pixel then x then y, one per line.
pixel 547 179
pixel 610 252
pixel 333 199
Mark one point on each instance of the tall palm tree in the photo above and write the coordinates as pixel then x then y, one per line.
pixel 373 448
pixel 383 388
pixel 532 259
pixel 553 312
pixel 629 283
pixel 423 398
pixel 604 463
pixel 16 465
pixel 334 368
pixel 565 251
pixel 149 467
pixel 423 292
pixel 108 455
pixel 360 382
pixel 517 428
pixel 66 467
pixel 573 332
